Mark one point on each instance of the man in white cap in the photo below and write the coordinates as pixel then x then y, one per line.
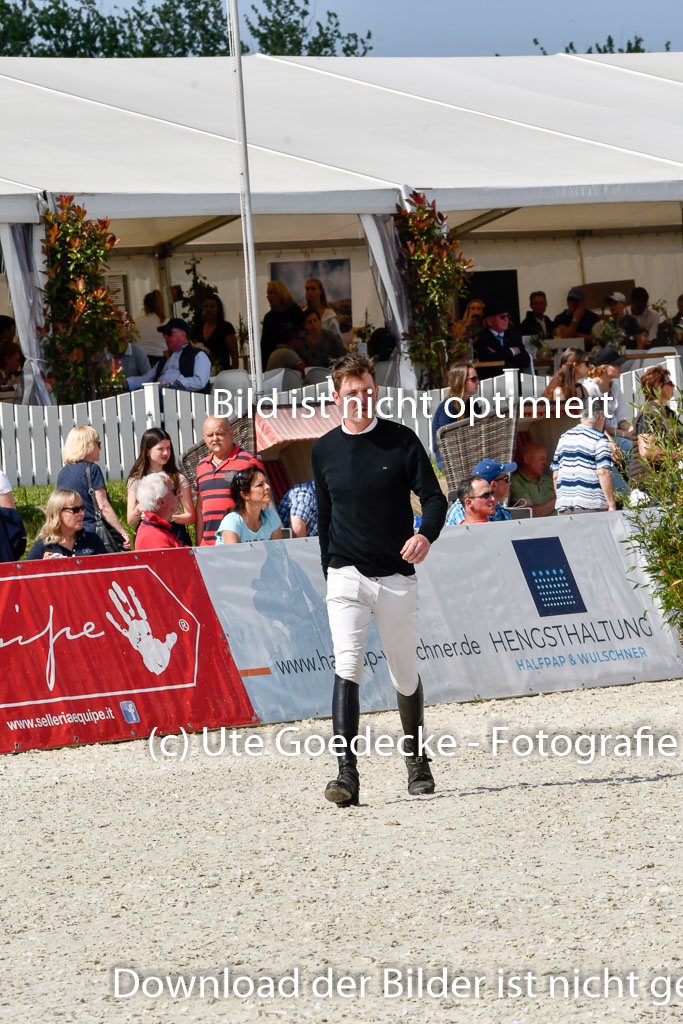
pixel 631 331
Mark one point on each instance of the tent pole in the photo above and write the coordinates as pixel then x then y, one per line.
pixel 245 198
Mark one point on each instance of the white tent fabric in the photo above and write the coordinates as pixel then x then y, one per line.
pixel 145 138
pixel 17 242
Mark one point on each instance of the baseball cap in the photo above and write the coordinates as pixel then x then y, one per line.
pixel 489 469
pixel 175 321
pixel 575 293
pixel 616 297
pixel 608 357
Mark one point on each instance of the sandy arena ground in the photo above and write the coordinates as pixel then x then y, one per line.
pixel 527 864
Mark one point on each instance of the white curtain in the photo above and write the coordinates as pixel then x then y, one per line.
pixel 20 245
pixel 382 245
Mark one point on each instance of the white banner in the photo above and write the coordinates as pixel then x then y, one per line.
pixel 527 606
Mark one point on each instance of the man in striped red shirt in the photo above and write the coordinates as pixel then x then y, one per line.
pixel 215 473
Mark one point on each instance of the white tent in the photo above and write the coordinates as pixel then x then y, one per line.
pixel 511 146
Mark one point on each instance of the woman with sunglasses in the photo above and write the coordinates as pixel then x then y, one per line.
pixel 62 534
pixel 573 368
pixel 463 386
pixel 252 517
pixel 656 425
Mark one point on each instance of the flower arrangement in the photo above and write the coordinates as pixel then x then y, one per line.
pixel 83 329
pixel 434 271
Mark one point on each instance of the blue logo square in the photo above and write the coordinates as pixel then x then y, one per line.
pixel 548 576
pixel 129 711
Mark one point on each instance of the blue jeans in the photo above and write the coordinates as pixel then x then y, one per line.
pixel 626 448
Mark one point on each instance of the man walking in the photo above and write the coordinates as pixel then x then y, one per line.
pixel 364 472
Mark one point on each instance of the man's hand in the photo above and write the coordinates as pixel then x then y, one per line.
pixel 415 549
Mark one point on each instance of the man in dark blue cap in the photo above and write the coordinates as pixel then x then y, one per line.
pixel 576 321
pixel 499 340
pixel 184 367
pixel 498 475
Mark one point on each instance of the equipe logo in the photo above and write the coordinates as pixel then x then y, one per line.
pixel 548 576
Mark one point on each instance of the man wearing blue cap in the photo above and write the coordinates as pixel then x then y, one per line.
pixel 576 321
pixel 498 475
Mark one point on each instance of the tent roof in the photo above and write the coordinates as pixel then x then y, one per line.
pixel 155 138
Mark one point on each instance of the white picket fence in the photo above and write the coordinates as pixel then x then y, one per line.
pixel 31 437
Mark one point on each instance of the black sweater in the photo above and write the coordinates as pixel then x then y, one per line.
pixel 363 484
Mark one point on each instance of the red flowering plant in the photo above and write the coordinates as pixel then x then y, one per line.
pixel 84 332
pixel 433 271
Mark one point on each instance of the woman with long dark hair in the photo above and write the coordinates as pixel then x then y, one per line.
pixel 157 456
pixel 218 335
pixel 252 517
pixel 565 384
pixel 152 318
pixel 463 383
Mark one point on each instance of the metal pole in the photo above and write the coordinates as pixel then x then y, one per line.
pixel 245 198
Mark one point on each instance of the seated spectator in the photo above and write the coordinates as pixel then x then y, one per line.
pixel 463 382
pixel 531 487
pixel 252 518
pixel 646 317
pixel 576 321
pixel 134 361
pixel 185 368
pixel 655 426
pixel 153 316
pixel 158 502
pixel 298 510
pixel 287 355
pixel 12 532
pixel 603 379
pixel 478 499
pixel 81 453
pixel 8 330
pixel 678 317
pixel 498 475
pixel 471 322
pixel 157 456
pixel 214 476
pixel 317 299
pixel 381 344
pixel 536 322
pixel 582 466
pixel 629 328
pixel 319 346
pixel 10 364
pixel 284 315
pixel 218 335
pixel 499 339
pixel 62 534
pixel 565 383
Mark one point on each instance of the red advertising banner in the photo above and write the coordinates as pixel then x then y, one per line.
pixel 112 647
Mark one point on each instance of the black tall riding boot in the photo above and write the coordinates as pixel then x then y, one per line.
pixel 343 790
pixel 411 710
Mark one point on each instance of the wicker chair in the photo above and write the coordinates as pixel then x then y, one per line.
pixel 463 445
pixel 244 436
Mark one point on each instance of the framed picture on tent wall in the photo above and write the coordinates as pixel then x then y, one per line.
pixel 335 276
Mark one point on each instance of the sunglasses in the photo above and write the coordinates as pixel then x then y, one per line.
pixel 504 479
pixel 475 378
pixel 485 494
pixel 74 509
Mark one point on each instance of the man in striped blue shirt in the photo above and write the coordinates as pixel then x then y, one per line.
pixel 582 466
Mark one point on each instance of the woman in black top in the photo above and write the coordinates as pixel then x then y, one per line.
pixel 62 534
pixel 283 317
pixel 218 335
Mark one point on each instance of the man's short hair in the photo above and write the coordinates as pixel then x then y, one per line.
pixel 640 295
pixel 534 294
pixel 151 489
pixel 593 409
pixel 354 364
pixel 465 488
